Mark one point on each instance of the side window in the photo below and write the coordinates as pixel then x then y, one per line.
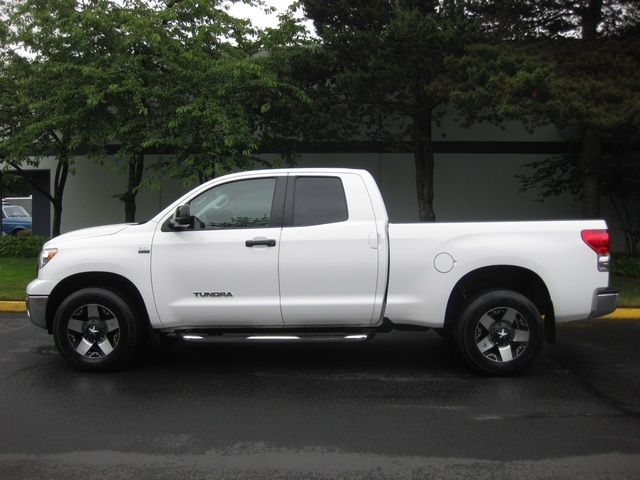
pixel 319 200
pixel 243 204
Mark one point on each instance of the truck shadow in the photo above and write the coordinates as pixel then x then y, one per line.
pixel 407 352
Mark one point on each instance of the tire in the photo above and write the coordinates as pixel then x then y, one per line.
pixel 499 332
pixel 95 329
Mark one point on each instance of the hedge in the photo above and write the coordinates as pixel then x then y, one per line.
pixel 21 246
pixel 625 265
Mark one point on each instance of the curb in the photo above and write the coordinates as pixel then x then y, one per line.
pixel 620 313
pixel 16 307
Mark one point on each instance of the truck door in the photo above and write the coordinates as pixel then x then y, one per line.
pixel 328 252
pixel 223 269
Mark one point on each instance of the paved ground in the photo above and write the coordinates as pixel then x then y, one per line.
pixel 400 406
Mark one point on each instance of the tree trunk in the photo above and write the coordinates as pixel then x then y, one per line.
pixel 591 17
pixel 60 181
pixel 591 141
pixel 424 162
pixel 590 163
pixel 136 170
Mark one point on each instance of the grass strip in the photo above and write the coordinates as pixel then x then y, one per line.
pixel 15 274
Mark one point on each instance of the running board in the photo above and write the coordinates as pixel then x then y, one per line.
pixel 273 338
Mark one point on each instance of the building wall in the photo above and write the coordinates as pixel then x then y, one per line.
pixel 467 187
pixel 90 196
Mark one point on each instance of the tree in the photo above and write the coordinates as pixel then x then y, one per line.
pixel 129 77
pixel 47 105
pixel 229 89
pixel 622 186
pixel 128 83
pixel 389 71
pixel 582 72
pixel 598 93
pixel 620 181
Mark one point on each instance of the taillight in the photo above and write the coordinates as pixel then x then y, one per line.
pixel 598 241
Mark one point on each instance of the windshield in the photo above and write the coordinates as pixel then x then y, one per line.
pixel 13 211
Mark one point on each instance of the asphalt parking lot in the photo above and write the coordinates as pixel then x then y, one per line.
pixel 400 406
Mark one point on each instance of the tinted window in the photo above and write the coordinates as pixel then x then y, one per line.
pixel 319 200
pixel 244 204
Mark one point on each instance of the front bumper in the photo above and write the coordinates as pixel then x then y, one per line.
pixel 37 309
pixel 606 302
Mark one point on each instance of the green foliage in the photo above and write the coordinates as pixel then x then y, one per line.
pixel 21 246
pixel 597 85
pixel 555 175
pixel 229 91
pixel 504 81
pixel 575 65
pixel 386 63
pixel 383 73
pixel 188 79
pixel 14 186
pixel 46 105
pixel 140 76
pixel 625 265
pixel 565 82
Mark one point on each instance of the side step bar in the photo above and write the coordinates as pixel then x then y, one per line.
pixel 274 338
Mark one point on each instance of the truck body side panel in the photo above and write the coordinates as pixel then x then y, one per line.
pixel 428 260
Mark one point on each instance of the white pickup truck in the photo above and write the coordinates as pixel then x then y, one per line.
pixel 309 255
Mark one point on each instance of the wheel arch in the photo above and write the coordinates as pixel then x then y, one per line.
pixel 508 277
pixel 110 281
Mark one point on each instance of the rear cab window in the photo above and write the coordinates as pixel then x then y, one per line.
pixel 317 201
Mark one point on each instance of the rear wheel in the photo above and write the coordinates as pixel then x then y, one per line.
pixel 499 332
pixel 96 329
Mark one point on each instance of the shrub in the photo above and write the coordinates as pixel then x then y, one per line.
pixel 21 246
pixel 625 265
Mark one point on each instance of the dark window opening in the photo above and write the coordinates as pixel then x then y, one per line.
pixel 319 200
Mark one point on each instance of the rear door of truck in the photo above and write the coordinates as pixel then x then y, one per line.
pixel 330 252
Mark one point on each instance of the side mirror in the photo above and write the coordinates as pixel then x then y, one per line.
pixel 181 218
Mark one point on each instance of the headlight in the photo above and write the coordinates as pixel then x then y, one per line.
pixel 46 255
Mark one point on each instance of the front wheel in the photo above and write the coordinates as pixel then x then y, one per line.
pixel 499 332
pixel 95 329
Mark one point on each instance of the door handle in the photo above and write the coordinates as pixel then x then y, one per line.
pixel 262 242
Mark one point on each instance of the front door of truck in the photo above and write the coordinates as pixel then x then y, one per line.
pixel 223 269
pixel 329 255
